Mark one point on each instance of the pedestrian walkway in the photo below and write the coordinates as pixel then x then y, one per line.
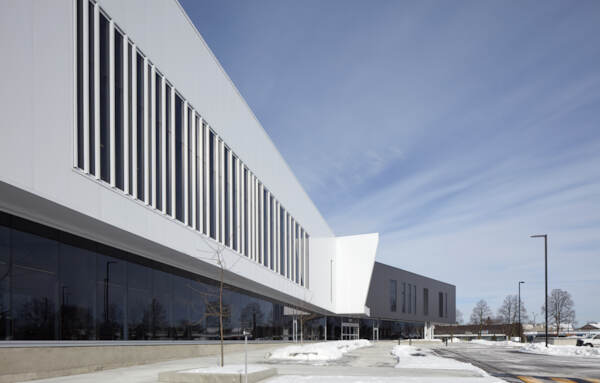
pixel 369 364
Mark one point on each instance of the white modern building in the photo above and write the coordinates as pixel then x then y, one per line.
pixel 132 173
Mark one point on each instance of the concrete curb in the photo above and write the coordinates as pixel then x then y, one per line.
pixel 182 376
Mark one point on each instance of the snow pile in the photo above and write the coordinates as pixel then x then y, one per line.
pixel 380 379
pixel 414 357
pixel 318 351
pixel 497 342
pixel 227 369
pixel 540 348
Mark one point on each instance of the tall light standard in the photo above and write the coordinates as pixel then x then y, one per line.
pixel 545 236
pixel 520 326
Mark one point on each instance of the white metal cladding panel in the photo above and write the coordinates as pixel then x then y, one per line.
pixel 161 29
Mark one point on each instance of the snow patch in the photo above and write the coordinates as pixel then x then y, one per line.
pixel 497 342
pixel 227 369
pixel 318 351
pixel 416 357
pixel 539 348
pixel 379 379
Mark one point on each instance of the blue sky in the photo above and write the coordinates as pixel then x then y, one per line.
pixel 454 129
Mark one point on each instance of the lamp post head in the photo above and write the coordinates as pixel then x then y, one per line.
pixel 521 281
pixel 538 236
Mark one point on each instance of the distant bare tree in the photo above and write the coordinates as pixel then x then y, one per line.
pixel 561 308
pixel 481 314
pixel 508 313
pixel 459 317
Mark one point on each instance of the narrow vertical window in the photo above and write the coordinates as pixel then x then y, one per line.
pixel 425 301
pixel 190 185
pixel 211 181
pixel 414 299
pixel 235 207
pixel 410 298
pixel 206 180
pixel 199 174
pixel 119 122
pixel 307 262
pixel 179 150
pixel 158 140
pixel 80 95
pixel 168 141
pixel 265 226
pixel 403 297
pixel 149 127
pixel 441 304
pixel 140 91
pixel 226 196
pixel 104 100
pixel 281 241
pixel 272 232
pixel 246 222
pixel 446 305
pixel 296 252
pixel 393 295
pixel 92 90
pixel 130 127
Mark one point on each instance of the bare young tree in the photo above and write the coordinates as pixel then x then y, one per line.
pixel 561 308
pixel 508 314
pixel 481 314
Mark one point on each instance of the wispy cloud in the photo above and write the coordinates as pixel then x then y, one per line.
pixel 455 130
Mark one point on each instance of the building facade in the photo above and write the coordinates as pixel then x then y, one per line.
pixel 134 178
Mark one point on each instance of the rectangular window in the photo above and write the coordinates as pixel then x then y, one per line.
pixel 246 202
pixel 403 297
pixel 119 122
pixel 92 90
pixel 235 207
pixel 281 241
pixel 425 301
pixel 158 140
pixel 441 305
pixel 226 196
pixel 190 160
pixel 307 272
pixel 211 181
pixel 148 102
pixel 393 295
pixel 104 100
pixel 179 151
pixel 199 173
pixel 265 207
pixel 297 252
pixel 130 127
pixel 410 298
pixel 272 232
pixel 140 92
pixel 168 151
pixel 414 299
pixel 206 175
pixel 80 95
pixel 445 305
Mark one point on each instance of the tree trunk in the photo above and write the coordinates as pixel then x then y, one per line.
pixel 221 316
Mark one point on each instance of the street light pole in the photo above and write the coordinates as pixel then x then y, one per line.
pixel 545 236
pixel 520 325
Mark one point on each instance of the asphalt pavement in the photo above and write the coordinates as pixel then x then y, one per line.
pixel 513 366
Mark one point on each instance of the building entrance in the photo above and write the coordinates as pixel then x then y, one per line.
pixel 350 331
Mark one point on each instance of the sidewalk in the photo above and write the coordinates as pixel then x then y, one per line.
pixel 369 364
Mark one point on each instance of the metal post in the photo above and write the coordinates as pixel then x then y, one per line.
pixel 520 325
pixel 545 236
pixel 546 266
pixel 245 357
